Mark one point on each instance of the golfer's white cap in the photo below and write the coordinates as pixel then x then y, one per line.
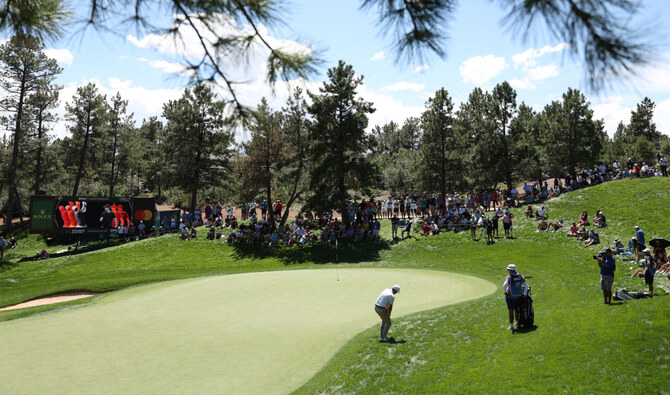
pixel 636 227
pixel 396 288
pixel 633 238
pixel 511 266
pixel 647 251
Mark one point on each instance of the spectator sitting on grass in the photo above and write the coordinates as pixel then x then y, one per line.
pixel 543 225
pixel 593 239
pixel 573 230
pixel 529 211
pixel 599 220
pixel 183 233
pixel 582 233
pixel 12 243
pixel 541 213
pixel 618 246
pixel 556 225
pixel 425 229
pixel 42 255
pixel 210 233
pixel 584 219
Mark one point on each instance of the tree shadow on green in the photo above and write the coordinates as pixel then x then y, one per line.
pixel 346 252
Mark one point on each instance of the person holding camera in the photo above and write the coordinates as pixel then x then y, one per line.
pixel 607 268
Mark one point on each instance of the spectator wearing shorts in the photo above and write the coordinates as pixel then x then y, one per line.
pixel 607 268
pixel 515 288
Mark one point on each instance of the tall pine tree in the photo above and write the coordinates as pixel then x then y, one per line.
pixel 339 142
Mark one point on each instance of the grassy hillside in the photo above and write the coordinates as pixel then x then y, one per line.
pixel 578 345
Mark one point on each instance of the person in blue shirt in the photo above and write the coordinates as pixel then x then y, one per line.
pixel 640 235
pixel 607 268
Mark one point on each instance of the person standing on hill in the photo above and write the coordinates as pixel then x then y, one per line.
pixel 649 269
pixel 607 268
pixel 640 234
pixel 515 288
pixel 383 307
pixel 507 223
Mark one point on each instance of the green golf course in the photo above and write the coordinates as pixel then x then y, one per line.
pixel 254 319
pixel 247 333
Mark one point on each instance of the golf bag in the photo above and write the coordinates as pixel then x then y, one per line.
pixel 526 312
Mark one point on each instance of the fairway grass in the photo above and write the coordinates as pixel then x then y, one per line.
pixel 247 333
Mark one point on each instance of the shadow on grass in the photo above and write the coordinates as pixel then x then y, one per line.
pixel 526 330
pixel 7 265
pixel 394 341
pixel 347 252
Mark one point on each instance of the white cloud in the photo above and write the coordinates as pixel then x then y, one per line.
pixel 404 86
pixel 142 102
pixel 481 69
pixel 168 67
pixel 612 111
pixel 662 116
pixel 527 58
pixel 655 77
pixel 145 60
pixel 387 108
pixel 63 56
pixel 522 84
pixel 420 68
pixel 378 56
pixel 542 72
pixel 251 70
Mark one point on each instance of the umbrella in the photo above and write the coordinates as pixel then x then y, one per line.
pixel 659 242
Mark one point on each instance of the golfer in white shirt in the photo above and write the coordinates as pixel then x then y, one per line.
pixel 383 307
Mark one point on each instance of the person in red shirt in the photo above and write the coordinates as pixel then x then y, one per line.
pixel 278 207
pixel 636 171
pixel 425 229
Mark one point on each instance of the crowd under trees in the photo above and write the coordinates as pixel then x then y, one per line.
pixel 314 153
pixel 314 157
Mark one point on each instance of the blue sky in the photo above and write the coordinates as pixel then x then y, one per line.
pixel 481 52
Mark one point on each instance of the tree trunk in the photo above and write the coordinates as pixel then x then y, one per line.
pixel 38 164
pixel 82 155
pixel 343 203
pixel 111 174
pixel 15 157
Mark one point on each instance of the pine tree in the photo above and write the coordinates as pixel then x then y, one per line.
pixel 642 123
pixel 198 137
pixel 441 164
pixel 339 142
pixel 574 140
pixel 24 69
pixel 87 113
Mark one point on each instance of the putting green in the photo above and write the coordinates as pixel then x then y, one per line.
pixel 248 333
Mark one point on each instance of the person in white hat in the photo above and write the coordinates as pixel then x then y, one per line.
pixel 515 288
pixel 383 307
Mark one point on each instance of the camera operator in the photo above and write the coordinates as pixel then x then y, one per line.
pixel 607 268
